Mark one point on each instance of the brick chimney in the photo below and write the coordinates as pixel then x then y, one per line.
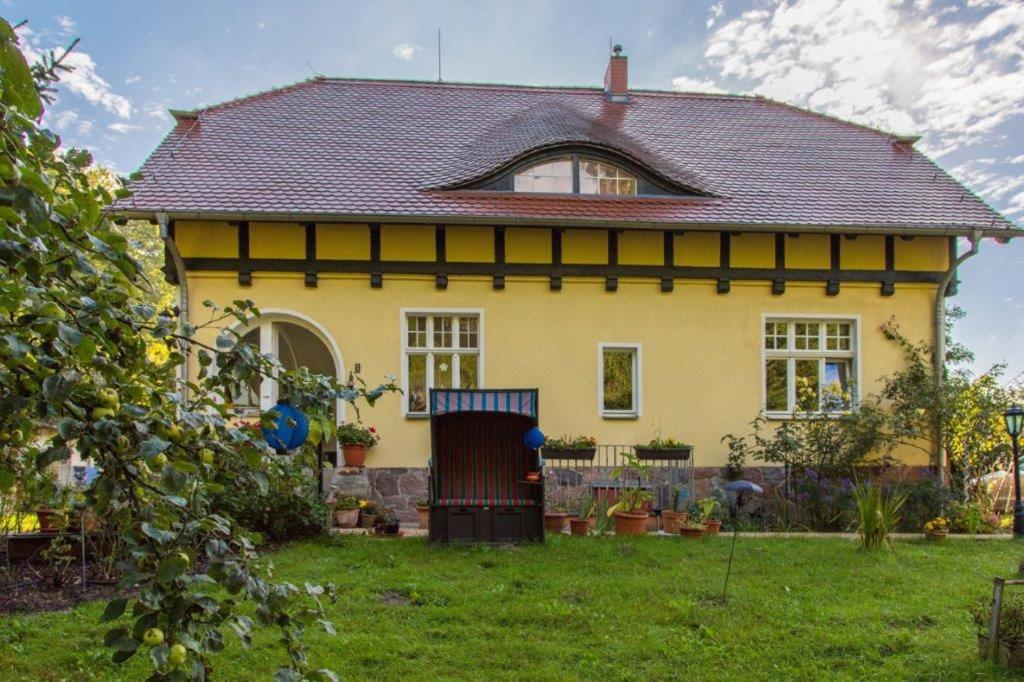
pixel 616 77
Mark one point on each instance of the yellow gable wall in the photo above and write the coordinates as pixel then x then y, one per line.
pixel 863 253
pixel 469 244
pixel 208 239
pixel 277 240
pixel 701 368
pixel 921 253
pixel 639 247
pixel 526 245
pixel 581 247
pixel 752 250
pixel 342 241
pixel 407 242
pixel 809 251
pixel 697 249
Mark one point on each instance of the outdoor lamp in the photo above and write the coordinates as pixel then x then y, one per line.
pixel 738 487
pixel 1014 418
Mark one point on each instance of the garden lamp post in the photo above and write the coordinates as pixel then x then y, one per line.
pixel 738 487
pixel 1014 418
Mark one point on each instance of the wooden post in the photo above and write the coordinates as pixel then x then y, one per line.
pixel 993 618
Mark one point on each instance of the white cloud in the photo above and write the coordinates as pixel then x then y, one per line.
pixel 405 51
pixel 714 12
pixel 884 63
pixel 259 25
pixel 1016 159
pixel 123 128
pixel 67 120
pixel 67 25
pixel 687 84
pixel 132 79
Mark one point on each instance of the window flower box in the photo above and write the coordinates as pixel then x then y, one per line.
pixel 680 453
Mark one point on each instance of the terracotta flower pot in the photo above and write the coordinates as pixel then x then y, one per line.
pixel 630 524
pixel 713 526
pixel 354 453
pixel 424 516
pixel 366 520
pixel 936 535
pixel 554 522
pixel 692 532
pixel 50 521
pixel 347 518
pixel 672 520
pixel 579 526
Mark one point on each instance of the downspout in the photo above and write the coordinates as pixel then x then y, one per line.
pixel 939 356
pixel 179 271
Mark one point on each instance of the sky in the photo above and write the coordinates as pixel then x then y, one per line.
pixel 952 72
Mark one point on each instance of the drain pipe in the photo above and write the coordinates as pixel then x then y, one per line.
pixel 939 356
pixel 179 270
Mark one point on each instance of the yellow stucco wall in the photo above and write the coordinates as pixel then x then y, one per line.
pixel 581 247
pixel 641 247
pixel 527 245
pixel 866 252
pixel 921 253
pixel 407 242
pixel 753 250
pixel 210 239
pixel 342 242
pixel 701 369
pixel 697 249
pixel 469 244
pixel 277 240
pixel 808 251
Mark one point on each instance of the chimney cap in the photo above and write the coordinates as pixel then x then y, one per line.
pixel 617 49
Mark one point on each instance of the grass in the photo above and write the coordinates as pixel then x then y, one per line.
pixel 599 608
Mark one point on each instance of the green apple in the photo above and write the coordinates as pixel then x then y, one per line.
pixel 102 412
pixel 159 460
pixel 108 397
pixel 184 557
pixel 177 655
pixel 207 456
pixel 154 636
pixel 51 309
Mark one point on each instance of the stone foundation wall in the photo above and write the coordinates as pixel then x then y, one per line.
pixel 400 487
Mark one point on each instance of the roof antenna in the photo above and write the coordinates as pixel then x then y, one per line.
pixel 311 69
pixel 439 55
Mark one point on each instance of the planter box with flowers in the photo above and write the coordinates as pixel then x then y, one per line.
pixel 937 529
pixel 355 440
pixel 346 511
pixel 570 447
pixel 663 449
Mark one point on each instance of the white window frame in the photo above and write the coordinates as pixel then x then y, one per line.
pixel 478 313
pixel 853 355
pixel 638 393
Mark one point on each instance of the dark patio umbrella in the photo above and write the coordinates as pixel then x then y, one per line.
pixel 740 488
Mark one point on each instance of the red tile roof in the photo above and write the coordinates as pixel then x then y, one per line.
pixel 358 148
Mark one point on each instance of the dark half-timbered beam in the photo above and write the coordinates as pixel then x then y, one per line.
pixel 779 283
pixel 724 258
pixel 669 260
pixel 244 269
pixel 834 264
pixel 611 281
pixel 376 272
pixel 499 258
pixel 441 257
pixel 888 284
pixel 555 282
pixel 312 278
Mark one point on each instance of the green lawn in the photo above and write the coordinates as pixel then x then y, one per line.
pixel 600 608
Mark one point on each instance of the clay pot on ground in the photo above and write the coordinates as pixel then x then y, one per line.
pixel 579 526
pixel 713 526
pixel 692 532
pixel 554 522
pixel 354 454
pixel 347 518
pixel 672 520
pixel 424 516
pixel 630 524
pixel 936 535
pixel 366 520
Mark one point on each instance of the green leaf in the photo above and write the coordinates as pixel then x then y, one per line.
pixel 115 607
pixel 161 536
pixel 158 655
pixel 170 568
pixel 69 335
pixel 18 85
pixel 153 446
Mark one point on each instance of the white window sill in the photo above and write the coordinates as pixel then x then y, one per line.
pixel 620 415
pixel 417 415
pixel 789 416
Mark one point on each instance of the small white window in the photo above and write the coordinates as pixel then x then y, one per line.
pixel 809 366
pixel 619 385
pixel 550 176
pixel 442 350
pixel 603 178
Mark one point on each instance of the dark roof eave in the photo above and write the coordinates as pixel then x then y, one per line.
pixel 917 230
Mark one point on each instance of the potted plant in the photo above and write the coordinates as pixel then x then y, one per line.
pixel 580 524
pixel 570 447
pixel 533 476
pixel 386 523
pixel 346 511
pixel 556 519
pixel 708 506
pixel 675 516
pixel 355 440
pixel 937 529
pixel 692 530
pixel 663 449
pixel 53 513
pixel 423 512
pixel 367 513
pixel 631 509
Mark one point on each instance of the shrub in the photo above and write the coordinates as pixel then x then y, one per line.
pixel 925 500
pixel 877 514
pixel 968 517
pixel 1011 618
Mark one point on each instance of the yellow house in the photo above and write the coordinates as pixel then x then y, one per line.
pixel 653 262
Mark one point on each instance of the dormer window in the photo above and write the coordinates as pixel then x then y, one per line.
pixel 553 176
pixel 575 175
